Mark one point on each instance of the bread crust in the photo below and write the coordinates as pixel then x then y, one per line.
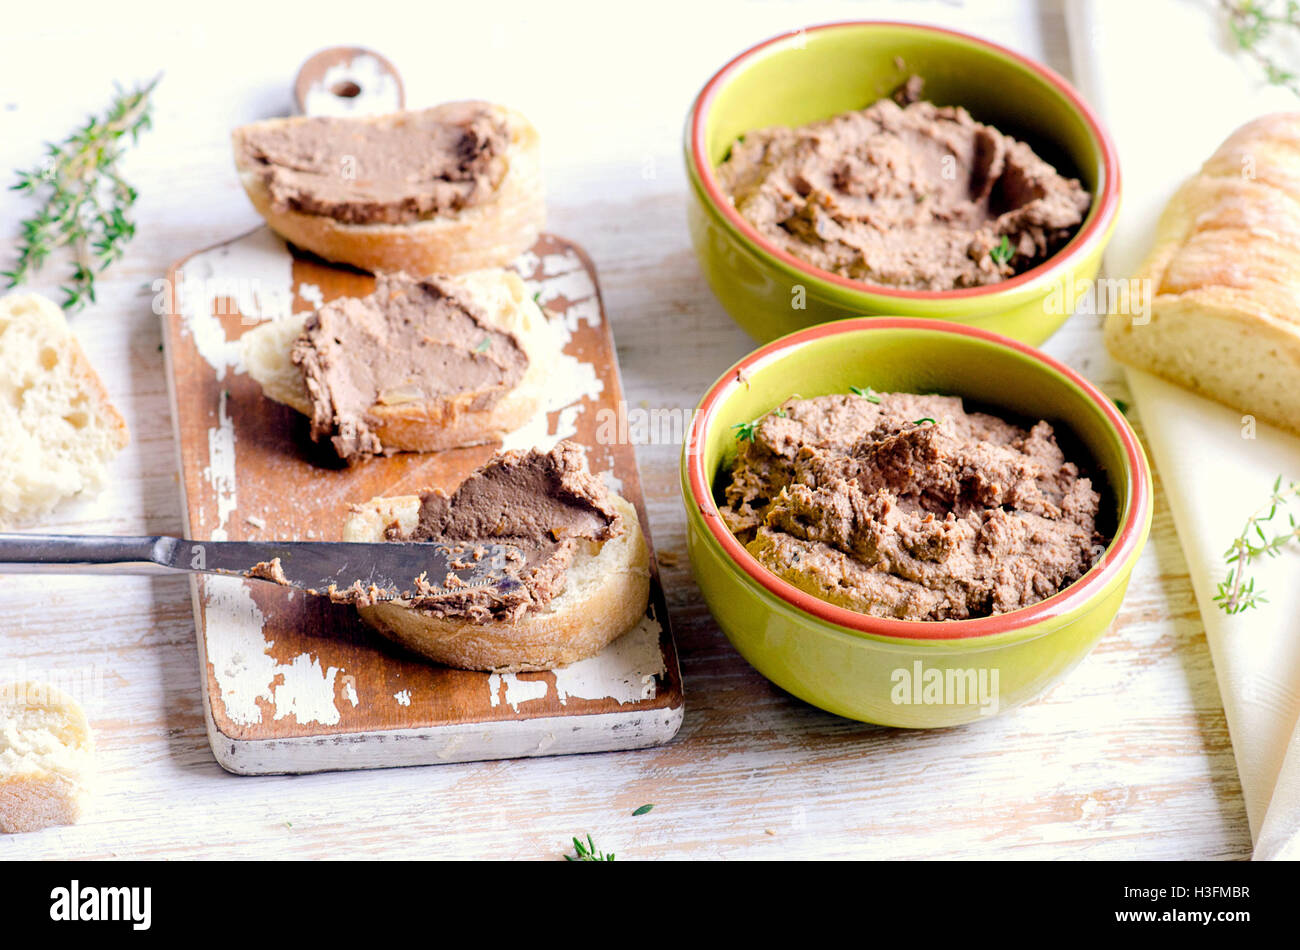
pixel 1224 278
pixel 606 593
pixel 41 789
pixel 438 424
pixel 490 233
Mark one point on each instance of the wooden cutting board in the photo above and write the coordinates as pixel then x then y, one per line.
pixel 293 683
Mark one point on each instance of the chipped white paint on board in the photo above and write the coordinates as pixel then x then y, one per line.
pixel 236 648
pixel 350 691
pixel 312 294
pixel 564 276
pixel 306 691
pixel 403 698
pixel 220 471
pixel 246 672
pixel 571 380
pixel 515 690
pixel 255 271
pixel 625 670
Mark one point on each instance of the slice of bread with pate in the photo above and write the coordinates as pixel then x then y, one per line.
pixel 584 579
pixel 445 190
pixel 416 366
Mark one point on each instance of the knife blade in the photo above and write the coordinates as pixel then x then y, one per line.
pixel 356 571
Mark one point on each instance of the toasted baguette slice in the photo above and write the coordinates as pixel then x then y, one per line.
pixel 605 594
pixel 1224 277
pixel 490 233
pixel 430 425
pixel 58 429
pixel 47 758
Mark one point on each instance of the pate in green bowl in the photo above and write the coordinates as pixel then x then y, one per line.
pixel 815 74
pixel 904 672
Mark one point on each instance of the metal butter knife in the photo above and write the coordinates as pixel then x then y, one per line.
pixel 387 570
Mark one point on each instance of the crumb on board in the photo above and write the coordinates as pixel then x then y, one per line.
pixel 256 522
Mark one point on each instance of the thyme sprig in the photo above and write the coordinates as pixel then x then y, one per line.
pixel 1237 592
pixel 1003 252
pixel 587 851
pixel 1254 24
pixel 745 431
pixel 86 202
pixel 866 393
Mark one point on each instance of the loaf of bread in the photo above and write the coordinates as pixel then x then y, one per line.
pixel 47 758
pixel 58 430
pixel 1224 279
pixel 490 232
pixel 502 300
pixel 606 589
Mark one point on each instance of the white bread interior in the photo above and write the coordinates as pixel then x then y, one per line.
pixel 47 758
pixel 58 429
pixel 606 590
pixel 436 424
pixel 489 233
pixel 1224 274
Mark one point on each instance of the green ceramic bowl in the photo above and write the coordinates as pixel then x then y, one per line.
pixel 812 74
pixel 884 670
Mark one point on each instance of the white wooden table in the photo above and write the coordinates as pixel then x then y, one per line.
pixel 1129 757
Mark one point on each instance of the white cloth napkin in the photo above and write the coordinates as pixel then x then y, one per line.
pixel 1169 86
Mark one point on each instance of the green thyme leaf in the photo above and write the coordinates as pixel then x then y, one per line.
pixel 85 198
pixel 1003 252
pixel 587 851
pixel 1236 592
pixel 643 810
pixel 868 394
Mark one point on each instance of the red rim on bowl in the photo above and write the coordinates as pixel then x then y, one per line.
pixel 1106 204
pixel 1127 535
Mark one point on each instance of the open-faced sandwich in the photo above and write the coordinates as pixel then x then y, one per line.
pixel 445 190
pixel 416 366
pixel 580 579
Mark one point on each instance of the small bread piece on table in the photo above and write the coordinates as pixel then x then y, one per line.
pixel 47 758
pixel 1224 279
pixel 446 190
pixel 58 429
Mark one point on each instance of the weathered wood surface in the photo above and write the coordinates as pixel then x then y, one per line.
pixel 1128 757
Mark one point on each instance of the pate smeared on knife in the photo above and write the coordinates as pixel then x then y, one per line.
pixel 907 506
pixel 904 193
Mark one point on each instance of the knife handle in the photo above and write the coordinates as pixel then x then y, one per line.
pixel 87 554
